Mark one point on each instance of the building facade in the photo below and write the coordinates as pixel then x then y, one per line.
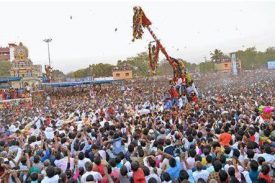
pixel 225 66
pixel 123 73
pixel 23 68
pixel 7 53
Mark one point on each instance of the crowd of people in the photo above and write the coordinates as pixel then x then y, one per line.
pixel 7 94
pixel 145 132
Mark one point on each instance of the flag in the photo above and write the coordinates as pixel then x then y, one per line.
pixel 145 21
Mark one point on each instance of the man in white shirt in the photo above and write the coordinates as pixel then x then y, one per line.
pixel 200 173
pixel 89 166
pixel 51 177
pixel 269 158
pixel 82 160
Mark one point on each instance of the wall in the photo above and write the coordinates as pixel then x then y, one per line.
pixel 223 67
pixel 122 74
pixel 227 66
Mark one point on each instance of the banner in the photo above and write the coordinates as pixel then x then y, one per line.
pixel 234 64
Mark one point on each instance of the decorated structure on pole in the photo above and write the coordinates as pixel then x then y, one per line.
pixel 140 21
pixel 48 70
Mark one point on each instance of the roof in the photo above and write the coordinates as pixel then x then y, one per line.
pixel 4 49
pixel 9 79
pixel 68 84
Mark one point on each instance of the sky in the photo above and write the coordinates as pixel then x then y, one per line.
pixel 84 33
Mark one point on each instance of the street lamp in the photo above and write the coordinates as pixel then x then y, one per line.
pixel 48 42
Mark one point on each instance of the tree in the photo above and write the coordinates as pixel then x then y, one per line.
pixel 216 56
pixel 101 70
pixel 58 75
pixel 206 66
pixel 5 67
pixel 139 64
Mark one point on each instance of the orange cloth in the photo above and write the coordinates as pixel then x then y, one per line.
pixel 139 176
pixel 225 139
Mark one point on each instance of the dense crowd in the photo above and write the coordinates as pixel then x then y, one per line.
pixel 145 131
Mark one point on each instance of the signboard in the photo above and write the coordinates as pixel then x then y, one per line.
pixel 234 64
pixel 271 65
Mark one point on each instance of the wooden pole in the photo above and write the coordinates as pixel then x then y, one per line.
pixel 171 62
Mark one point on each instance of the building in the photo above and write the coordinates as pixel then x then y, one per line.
pixel 37 71
pixel 7 53
pixel 122 73
pixel 23 68
pixel 225 66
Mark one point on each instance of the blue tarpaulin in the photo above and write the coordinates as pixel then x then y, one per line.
pixel 271 65
pixel 68 84
pixel 9 79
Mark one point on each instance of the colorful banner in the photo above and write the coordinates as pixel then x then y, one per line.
pixel 234 64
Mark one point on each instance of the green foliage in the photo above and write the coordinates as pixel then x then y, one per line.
pixel 251 58
pixel 206 66
pixel 164 68
pixel 58 75
pixel 100 70
pixel 216 56
pixel 5 67
pixel 95 70
pixel 80 73
pixel 139 64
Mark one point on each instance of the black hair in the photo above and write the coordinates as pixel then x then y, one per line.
pixel 236 153
pixel 123 170
pixel 146 170
pixel 34 176
pixel 227 149
pixel 231 171
pixel 112 162
pixel 265 169
pixel 81 156
pixel 254 165
pixel 267 149
pixel 166 177
pixel 223 175
pixel 209 158
pixel 192 153
pixel 36 159
pixel 50 171
pixel 90 178
pixel 250 153
pixel 172 162
pixel 183 175
pixel 88 166
pixel 217 165
pixel 97 160
pixel 152 180
pixel 134 166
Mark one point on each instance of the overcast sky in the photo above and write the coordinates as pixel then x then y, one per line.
pixel 189 30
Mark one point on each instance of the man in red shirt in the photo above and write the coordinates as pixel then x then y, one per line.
pixel 174 95
pixel 225 137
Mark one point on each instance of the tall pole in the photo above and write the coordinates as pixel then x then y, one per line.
pixel 49 54
pixel 162 49
pixel 48 43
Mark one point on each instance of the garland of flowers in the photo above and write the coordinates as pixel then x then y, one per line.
pixel 153 56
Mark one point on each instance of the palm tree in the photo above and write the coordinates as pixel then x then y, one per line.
pixel 216 56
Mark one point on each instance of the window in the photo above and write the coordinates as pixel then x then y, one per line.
pixel 117 75
pixel 225 65
pixel 127 74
